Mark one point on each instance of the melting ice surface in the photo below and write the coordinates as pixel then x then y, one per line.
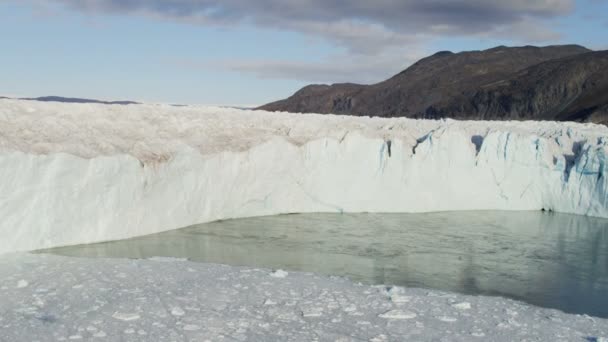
pixel 547 259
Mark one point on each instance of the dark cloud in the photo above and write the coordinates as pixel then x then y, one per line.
pixel 380 36
pixel 363 26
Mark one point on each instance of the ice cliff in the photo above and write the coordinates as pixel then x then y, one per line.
pixel 80 173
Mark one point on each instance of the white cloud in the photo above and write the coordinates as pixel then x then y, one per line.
pixel 335 69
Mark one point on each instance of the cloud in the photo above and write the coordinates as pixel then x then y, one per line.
pixel 525 31
pixel 362 26
pixel 335 69
pixel 379 37
pixel 357 37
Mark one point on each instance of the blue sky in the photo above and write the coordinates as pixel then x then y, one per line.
pixel 253 52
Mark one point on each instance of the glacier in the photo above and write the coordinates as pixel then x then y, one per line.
pixel 84 173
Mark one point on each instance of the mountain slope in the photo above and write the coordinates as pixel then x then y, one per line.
pixel 569 89
pixel 473 85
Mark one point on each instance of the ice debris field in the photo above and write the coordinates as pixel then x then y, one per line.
pixel 82 173
pixel 49 298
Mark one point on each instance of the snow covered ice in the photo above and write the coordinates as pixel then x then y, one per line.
pixel 152 300
pixel 82 173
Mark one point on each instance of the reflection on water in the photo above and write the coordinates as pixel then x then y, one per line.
pixel 547 259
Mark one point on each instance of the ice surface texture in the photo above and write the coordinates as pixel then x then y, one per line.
pixel 49 298
pixel 81 173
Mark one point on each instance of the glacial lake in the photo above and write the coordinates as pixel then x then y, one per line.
pixel 547 259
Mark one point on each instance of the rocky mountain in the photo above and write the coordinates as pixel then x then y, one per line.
pixel 567 82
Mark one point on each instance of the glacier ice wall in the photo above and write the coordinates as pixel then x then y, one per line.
pixel 62 195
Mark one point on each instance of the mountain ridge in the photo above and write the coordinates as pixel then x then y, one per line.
pixel 483 84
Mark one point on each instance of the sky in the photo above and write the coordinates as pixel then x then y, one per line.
pixel 250 52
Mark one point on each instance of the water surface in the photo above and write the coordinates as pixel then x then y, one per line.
pixel 547 259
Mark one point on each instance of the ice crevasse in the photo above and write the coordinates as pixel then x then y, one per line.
pixel 83 173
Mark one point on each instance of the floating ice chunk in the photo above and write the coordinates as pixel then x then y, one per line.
pixel 100 334
pixel 312 312
pixel 462 306
pixel 398 314
pixel 125 316
pixel 269 302
pixel 177 311
pixel 379 338
pixel 447 319
pixel 350 308
pixel 22 283
pixel 167 259
pixel 191 327
pixel 279 274
pixel 396 294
